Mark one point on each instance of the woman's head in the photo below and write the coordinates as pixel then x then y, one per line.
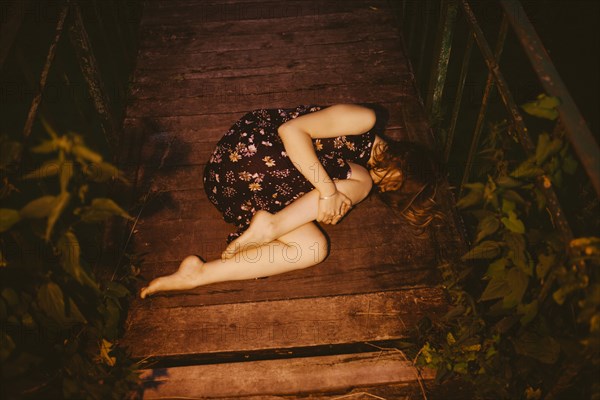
pixel 406 175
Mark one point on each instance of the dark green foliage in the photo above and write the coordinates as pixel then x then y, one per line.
pixel 525 321
pixel 59 322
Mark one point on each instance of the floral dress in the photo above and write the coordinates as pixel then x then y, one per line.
pixel 249 169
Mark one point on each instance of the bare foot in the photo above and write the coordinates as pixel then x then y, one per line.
pixel 258 233
pixel 186 277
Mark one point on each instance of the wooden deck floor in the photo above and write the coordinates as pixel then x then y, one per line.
pixel 203 64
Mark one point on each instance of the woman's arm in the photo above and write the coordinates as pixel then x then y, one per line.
pixel 337 120
pixel 297 134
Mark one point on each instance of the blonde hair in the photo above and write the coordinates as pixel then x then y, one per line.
pixel 416 183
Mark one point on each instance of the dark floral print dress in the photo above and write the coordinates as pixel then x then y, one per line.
pixel 249 169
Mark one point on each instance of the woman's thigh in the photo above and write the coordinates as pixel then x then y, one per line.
pixel 306 243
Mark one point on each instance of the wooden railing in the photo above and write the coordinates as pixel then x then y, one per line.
pixel 84 69
pixel 428 29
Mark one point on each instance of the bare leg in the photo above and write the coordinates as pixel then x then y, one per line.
pixel 273 244
pixel 266 227
pixel 303 247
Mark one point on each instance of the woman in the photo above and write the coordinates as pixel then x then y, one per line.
pixel 278 170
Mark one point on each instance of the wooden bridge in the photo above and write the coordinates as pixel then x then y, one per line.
pixel 325 331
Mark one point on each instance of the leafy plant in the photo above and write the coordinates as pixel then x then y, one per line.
pixel 525 316
pixel 59 321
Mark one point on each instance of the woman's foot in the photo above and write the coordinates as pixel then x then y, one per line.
pixel 259 232
pixel 186 277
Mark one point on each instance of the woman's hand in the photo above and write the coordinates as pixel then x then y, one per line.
pixel 333 207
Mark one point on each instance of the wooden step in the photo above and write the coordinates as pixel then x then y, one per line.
pixel 296 376
pixel 265 327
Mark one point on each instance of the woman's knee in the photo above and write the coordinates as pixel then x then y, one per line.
pixel 317 247
pixel 307 245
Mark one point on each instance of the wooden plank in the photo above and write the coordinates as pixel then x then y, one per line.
pixel 284 26
pixel 200 12
pixel 283 377
pixel 280 324
pixel 301 58
pixel 251 42
pixel 329 278
pixel 288 79
pixel 378 279
pixel 221 102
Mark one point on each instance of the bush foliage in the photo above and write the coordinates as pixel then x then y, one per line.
pixel 525 315
pixel 59 320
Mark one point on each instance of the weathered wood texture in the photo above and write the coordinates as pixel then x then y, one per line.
pixel 283 377
pixel 280 324
pixel 202 65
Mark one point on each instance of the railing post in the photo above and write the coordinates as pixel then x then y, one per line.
pixel 441 56
pixel 577 130
pixel 516 118
pixel 489 86
pixel 37 98
pixel 89 68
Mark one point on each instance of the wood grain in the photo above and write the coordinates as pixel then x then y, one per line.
pixel 280 324
pixel 282 377
pixel 200 67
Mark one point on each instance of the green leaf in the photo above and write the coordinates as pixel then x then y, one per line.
pixel 103 171
pixel 472 198
pixel 496 288
pixel 70 253
pixel 8 217
pixel 490 194
pixel 545 262
pixel 477 186
pixel 543 107
pixel 49 128
pixel 487 226
pixel 517 281
pixel 508 206
pixel 517 250
pixel 105 349
pixel 506 181
pixel 38 208
pixel 527 170
pixel 101 209
pixel 49 168
pixel 513 196
pixel 560 295
pixel 497 269
pixel 117 290
pixel 86 154
pixel 51 300
pixel 542 144
pixel 59 206
pixel 546 148
pixel 11 297
pixel 528 311
pixel 47 146
pixel 513 223
pixel 487 249
pixel 542 348
pixel 66 173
